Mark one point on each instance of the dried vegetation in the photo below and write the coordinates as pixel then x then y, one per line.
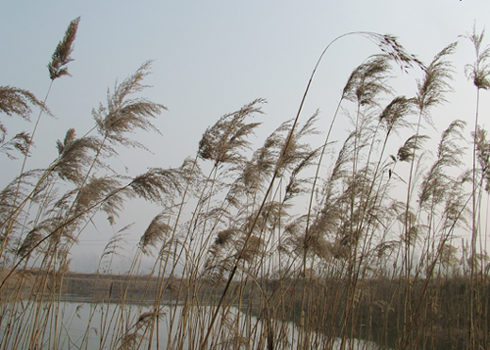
pixel 376 255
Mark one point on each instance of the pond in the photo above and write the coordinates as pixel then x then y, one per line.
pixel 75 323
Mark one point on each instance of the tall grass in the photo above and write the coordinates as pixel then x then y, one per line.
pixel 366 245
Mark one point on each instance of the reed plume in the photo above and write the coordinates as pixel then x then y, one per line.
pixel 157 183
pixel 431 90
pixel 412 144
pixel 30 241
pixel 483 155
pixel 368 80
pixel 14 101
pixel 449 154
pixel 62 55
pixel 123 114
pixel 75 156
pixel 255 172
pixel 395 112
pixel 223 142
pixel 20 142
pixel 479 71
pixel 158 230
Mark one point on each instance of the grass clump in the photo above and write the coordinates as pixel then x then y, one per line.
pixel 260 246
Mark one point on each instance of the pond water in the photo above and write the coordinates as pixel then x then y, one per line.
pixel 78 324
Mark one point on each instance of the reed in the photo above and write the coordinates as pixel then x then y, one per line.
pixel 286 244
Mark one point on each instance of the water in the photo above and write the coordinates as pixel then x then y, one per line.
pixel 78 324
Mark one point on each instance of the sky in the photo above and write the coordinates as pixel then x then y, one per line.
pixel 211 58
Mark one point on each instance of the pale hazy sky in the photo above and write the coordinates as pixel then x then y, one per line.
pixel 212 57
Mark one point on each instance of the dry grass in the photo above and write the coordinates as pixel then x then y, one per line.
pixel 368 249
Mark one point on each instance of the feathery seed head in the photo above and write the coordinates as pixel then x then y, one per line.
pixel 18 101
pixel 224 236
pixel 254 248
pixel 479 71
pixel 223 141
pixel 105 191
pixel 19 142
pixel 435 83
pixel 30 241
pixel 124 115
pixel 483 154
pixel 75 156
pixel 390 46
pixel 156 183
pixel 157 231
pixel 413 143
pixel 368 80
pixel 61 56
pixel 396 110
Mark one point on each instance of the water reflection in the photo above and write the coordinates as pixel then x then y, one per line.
pixel 76 323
